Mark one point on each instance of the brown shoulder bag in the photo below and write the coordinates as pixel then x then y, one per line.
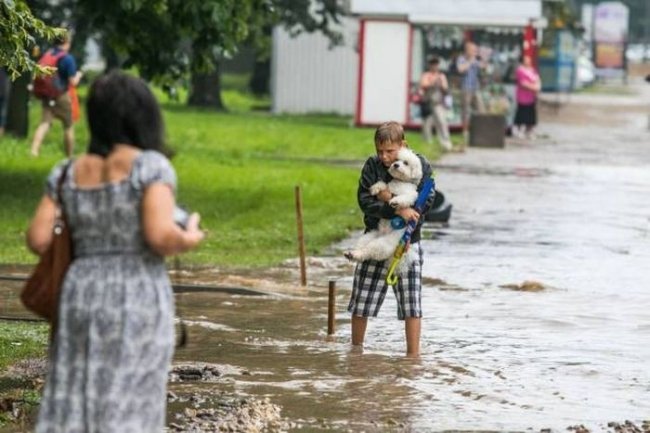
pixel 41 291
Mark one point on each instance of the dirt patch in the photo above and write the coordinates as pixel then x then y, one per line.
pixel 226 413
pixel 526 286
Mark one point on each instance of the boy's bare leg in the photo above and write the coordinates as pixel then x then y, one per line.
pixel 68 141
pixel 359 325
pixel 412 329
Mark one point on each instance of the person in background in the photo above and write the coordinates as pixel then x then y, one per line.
pixel 369 284
pixel 469 67
pixel 114 337
pixel 433 89
pixel 528 86
pixel 61 106
pixel 4 93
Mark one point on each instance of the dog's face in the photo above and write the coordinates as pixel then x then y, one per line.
pixel 407 167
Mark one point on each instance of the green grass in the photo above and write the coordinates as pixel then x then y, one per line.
pixel 18 341
pixel 21 340
pixel 238 169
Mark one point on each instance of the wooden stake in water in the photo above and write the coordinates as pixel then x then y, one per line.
pixel 331 308
pixel 301 237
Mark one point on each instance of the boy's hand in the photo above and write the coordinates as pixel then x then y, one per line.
pixel 408 214
pixel 384 195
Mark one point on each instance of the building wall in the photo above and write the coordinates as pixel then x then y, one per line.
pixel 385 76
pixel 308 76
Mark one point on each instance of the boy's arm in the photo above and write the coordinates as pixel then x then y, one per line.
pixel 370 205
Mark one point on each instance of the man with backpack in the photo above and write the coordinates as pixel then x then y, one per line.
pixel 52 90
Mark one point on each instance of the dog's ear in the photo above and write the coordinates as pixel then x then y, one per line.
pixel 415 164
pixel 416 168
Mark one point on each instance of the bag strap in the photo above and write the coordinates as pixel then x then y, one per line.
pixel 60 181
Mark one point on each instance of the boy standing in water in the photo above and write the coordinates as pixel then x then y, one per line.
pixel 369 286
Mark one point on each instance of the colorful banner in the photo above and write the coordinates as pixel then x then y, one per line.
pixel 610 35
pixel 611 22
pixel 610 55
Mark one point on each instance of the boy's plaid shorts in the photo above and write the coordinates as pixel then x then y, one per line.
pixel 369 288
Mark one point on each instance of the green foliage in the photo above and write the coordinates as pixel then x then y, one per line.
pixel 167 39
pixel 561 15
pixel 18 32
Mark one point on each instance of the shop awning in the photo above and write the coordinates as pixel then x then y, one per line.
pixel 479 13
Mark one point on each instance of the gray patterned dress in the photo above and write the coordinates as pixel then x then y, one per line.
pixel 115 338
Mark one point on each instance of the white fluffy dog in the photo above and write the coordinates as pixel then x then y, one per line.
pixel 380 244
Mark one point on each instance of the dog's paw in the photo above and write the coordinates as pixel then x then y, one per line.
pixel 398 202
pixel 378 187
pixel 352 255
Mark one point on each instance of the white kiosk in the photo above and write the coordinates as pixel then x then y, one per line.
pixel 385 48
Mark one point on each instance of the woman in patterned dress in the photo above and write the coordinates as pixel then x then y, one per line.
pixel 115 337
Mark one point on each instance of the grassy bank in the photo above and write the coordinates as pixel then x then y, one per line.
pixel 19 340
pixel 238 169
pixel 18 393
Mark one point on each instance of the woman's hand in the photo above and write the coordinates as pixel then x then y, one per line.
pixel 163 235
pixel 193 234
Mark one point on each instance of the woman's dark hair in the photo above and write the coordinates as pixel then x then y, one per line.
pixel 122 109
pixel 433 60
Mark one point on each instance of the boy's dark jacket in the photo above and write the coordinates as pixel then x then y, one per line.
pixel 374 209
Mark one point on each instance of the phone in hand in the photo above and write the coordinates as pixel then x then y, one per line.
pixel 181 216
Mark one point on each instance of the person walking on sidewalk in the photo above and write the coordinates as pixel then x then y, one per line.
pixel 55 97
pixel 529 85
pixel 433 90
pixel 369 285
pixel 114 338
pixel 469 67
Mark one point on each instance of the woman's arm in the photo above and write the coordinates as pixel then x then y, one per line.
pixel 463 64
pixel 162 234
pixel 424 83
pixel 39 234
pixel 528 81
pixel 535 86
pixel 443 82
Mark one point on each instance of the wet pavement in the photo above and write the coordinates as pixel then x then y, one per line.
pixel 535 297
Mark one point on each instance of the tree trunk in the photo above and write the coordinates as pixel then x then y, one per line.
pixel 206 91
pixel 18 107
pixel 113 61
pixel 260 79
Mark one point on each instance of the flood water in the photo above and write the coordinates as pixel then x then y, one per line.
pixel 570 211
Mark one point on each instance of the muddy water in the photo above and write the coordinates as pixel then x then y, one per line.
pixel 569 212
